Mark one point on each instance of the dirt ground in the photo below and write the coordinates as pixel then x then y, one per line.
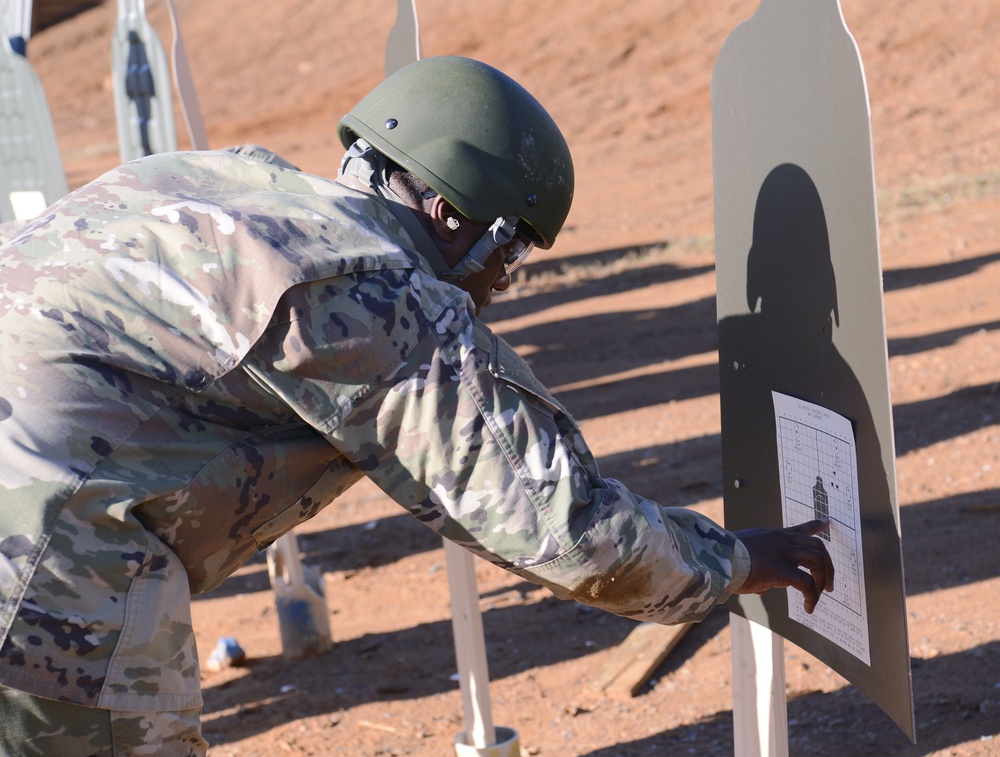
pixel 620 320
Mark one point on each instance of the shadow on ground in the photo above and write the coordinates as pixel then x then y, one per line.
pixel 845 722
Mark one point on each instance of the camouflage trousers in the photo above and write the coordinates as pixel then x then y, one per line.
pixel 32 725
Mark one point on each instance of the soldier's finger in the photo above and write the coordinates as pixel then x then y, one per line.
pixel 816 559
pixel 811 527
pixel 804 538
pixel 804 583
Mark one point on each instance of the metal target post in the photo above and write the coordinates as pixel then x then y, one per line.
pixel 31 171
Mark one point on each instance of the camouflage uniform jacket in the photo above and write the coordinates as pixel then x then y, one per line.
pixel 199 351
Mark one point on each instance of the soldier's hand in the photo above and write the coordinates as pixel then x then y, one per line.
pixel 779 555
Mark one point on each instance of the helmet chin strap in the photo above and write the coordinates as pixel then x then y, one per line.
pixel 496 236
pixel 370 167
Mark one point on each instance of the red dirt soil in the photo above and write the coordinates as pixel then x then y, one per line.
pixel 619 319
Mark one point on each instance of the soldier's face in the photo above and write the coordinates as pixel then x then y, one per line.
pixel 493 278
pixel 455 245
pixel 455 235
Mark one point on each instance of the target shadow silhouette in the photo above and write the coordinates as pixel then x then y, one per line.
pixel 787 344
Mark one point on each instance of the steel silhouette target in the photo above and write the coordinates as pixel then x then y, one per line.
pixel 801 320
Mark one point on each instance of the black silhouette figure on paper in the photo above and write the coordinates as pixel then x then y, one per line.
pixel 821 504
pixel 140 88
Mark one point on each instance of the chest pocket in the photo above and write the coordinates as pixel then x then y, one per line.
pixel 245 498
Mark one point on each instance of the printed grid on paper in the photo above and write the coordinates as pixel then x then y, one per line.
pixel 818 475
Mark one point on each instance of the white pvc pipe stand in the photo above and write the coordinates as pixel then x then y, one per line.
pixel 760 709
pixel 300 600
pixel 480 738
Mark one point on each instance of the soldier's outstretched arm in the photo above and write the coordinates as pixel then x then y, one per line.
pixel 445 418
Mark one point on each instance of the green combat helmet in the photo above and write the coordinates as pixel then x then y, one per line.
pixel 477 138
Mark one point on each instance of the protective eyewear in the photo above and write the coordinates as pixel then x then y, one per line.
pixel 508 233
pixel 517 243
pixel 517 252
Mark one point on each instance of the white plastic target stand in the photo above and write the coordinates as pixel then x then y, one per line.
pixel 480 737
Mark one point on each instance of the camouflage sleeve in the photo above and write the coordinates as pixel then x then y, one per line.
pixel 446 419
pixel 10 229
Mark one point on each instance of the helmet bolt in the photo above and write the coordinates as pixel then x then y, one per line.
pixel 532 200
pixel 391 123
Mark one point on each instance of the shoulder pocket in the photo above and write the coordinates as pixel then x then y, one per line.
pixel 507 366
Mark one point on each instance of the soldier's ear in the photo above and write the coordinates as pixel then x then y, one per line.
pixel 453 233
pixel 445 220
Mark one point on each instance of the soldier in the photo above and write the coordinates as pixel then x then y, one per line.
pixel 198 351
